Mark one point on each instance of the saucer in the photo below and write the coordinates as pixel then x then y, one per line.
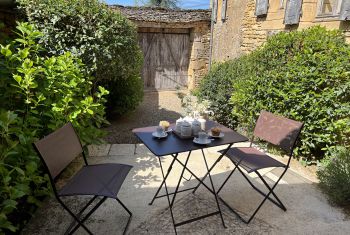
pixel 197 141
pixel 169 130
pixel 216 136
pixel 155 134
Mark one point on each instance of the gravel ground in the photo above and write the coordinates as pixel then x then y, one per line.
pixel 156 106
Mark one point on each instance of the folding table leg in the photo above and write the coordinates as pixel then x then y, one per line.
pixel 178 183
pixel 167 194
pixel 169 170
pixel 212 167
pixel 212 185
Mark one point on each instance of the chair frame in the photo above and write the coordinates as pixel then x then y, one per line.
pixel 77 217
pixel 275 201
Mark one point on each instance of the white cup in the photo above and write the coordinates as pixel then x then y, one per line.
pixel 160 131
pixel 202 137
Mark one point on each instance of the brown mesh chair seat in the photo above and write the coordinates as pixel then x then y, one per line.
pixel 101 180
pixel 276 130
pixel 251 159
pixel 57 151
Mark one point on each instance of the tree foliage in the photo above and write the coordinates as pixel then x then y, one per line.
pixel 38 95
pixel 173 4
pixel 105 41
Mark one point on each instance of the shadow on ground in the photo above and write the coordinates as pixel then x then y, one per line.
pixel 156 106
pixel 308 210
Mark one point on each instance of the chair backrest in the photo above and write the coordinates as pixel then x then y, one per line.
pixel 59 148
pixel 277 130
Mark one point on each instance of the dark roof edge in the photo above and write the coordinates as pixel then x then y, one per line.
pixel 158 8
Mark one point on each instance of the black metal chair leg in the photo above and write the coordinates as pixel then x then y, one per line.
pixel 75 217
pixel 89 214
pixel 266 197
pixel 258 190
pixel 272 192
pixel 212 185
pixel 130 215
pixel 72 224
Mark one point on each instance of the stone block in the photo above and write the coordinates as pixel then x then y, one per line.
pixel 122 149
pixel 99 150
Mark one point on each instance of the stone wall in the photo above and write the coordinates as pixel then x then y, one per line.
pixel 227 36
pixel 244 32
pixel 199 60
pixel 198 23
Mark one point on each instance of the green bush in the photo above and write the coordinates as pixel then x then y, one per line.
pixel 303 75
pixel 334 175
pixel 217 87
pixel 38 95
pixel 105 41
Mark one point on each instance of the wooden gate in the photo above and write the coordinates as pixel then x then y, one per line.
pixel 166 57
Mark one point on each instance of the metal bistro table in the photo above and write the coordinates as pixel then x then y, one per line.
pixel 173 145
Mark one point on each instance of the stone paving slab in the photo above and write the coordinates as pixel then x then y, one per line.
pixel 99 150
pixel 122 149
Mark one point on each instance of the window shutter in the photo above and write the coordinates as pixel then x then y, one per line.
pixel 215 10
pixel 224 9
pixel 261 7
pixel 293 12
pixel 345 10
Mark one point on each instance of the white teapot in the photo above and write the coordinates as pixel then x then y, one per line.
pixel 186 129
pixel 178 125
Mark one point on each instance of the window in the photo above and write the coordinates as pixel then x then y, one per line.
pixel 329 8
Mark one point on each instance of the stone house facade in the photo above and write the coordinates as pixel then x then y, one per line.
pixel 175 43
pixel 238 30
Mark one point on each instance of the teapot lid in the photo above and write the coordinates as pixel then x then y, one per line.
pixel 185 123
pixel 196 122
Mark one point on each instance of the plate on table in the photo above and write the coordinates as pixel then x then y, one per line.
pixel 155 134
pixel 197 141
pixel 216 136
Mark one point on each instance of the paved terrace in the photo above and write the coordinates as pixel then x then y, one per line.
pixel 308 211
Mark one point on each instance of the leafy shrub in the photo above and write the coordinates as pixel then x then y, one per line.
pixel 105 41
pixel 39 94
pixel 334 175
pixel 303 75
pixel 217 86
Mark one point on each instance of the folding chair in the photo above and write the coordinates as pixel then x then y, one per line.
pixel 57 151
pixel 279 131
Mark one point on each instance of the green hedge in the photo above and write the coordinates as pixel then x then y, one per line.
pixel 303 75
pixel 217 86
pixel 38 95
pixel 105 41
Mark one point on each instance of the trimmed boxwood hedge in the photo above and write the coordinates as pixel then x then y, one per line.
pixel 303 75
